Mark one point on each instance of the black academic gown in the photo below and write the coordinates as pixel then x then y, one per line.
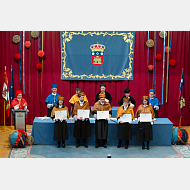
pixel 108 96
pixel 124 131
pixel 144 132
pixel 60 131
pixel 130 99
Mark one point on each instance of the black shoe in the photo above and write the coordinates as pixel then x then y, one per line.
pixel 126 146
pixel 77 145
pixel 85 145
pixel 148 147
pixel 143 146
pixel 58 145
pixel 96 146
pixel 105 146
pixel 119 145
pixel 63 145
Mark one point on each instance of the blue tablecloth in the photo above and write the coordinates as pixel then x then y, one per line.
pixel 43 131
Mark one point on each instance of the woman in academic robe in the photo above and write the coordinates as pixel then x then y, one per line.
pixel 101 125
pixel 60 127
pixel 19 103
pixel 144 129
pixel 124 131
pixel 82 128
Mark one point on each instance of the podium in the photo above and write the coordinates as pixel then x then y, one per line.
pixel 20 119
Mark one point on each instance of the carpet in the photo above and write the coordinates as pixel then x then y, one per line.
pixel 51 151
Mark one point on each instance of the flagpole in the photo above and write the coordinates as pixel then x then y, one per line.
pixel 4 112
pixel 167 69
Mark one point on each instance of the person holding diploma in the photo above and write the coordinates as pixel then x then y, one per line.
pixel 127 95
pixel 82 128
pixel 124 131
pixel 101 126
pixel 60 127
pixel 144 129
pixel 154 102
pixel 108 97
pixel 51 99
pixel 19 103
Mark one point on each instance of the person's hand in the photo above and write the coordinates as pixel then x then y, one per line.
pixel 56 119
pixel 121 121
pixel 154 119
pixel 51 105
pixel 106 100
pixel 24 104
pixel 150 104
pixel 75 117
pixel 62 118
pixel 80 118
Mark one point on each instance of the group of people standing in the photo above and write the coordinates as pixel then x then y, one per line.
pixel 82 128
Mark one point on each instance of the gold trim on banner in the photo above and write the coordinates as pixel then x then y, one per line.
pixel 68 36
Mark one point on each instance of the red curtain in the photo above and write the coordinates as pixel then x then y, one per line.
pixel 142 80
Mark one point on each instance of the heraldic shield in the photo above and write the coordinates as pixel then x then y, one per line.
pixel 97 54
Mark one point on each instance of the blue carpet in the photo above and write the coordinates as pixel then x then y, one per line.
pixel 51 151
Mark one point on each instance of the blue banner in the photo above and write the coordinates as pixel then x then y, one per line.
pixel 12 91
pixel 97 55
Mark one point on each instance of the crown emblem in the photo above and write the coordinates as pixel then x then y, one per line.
pixel 97 47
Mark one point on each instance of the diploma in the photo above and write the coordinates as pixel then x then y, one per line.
pixel 61 114
pixel 146 117
pixel 126 118
pixel 102 114
pixel 83 113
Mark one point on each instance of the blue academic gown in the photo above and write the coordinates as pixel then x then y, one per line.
pixel 154 102
pixel 51 99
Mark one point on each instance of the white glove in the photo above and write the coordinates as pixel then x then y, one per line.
pixel 138 118
pixel 95 116
pixel 132 105
pixel 157 107
pixel 75 117
pixel 83 119
pixel 25 108
pixel 106 100
pixel 109 117
pixel 49 106
pixel 151 123
pixel 16 107
pixel 61 119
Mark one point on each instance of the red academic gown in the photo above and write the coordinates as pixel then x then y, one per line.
pixel 15 102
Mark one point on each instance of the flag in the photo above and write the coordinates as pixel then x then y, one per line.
pixel 12 91
pixel 181 98
pixel 97 55
pixel 5 94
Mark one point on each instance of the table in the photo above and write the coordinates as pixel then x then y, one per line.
pixel 43 131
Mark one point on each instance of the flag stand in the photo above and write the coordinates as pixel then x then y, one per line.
pixel 180 121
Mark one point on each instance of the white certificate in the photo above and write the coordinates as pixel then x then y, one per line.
pixel 146 117
pixel 83 113
pixel 102 114
pixel 126 118
pixel 61 114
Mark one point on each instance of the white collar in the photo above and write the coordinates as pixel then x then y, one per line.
pixel 18 99
pixel 60 106
pixel 53 94
pixel 81 102
pixel 102 103
pixel 145 105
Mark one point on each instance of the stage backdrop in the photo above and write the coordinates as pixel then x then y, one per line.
pixel 97 55
pixel 36 90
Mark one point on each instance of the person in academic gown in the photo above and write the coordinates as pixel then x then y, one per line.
pixel 124 131
pixel 60 127
pixel 82 128
pixel 127 95
pixel 108 97
pixel 154 102
pixel 51 99
pixel 19 103
pixel 144 129
pixel 101 126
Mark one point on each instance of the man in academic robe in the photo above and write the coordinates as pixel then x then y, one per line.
pixel 101 126
pixel 51 99
pixel 127 95
pixel 154 102
pixel 108 97
pixel 19 103
pixel 82 128
pixel 124 131
pixel 75 97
